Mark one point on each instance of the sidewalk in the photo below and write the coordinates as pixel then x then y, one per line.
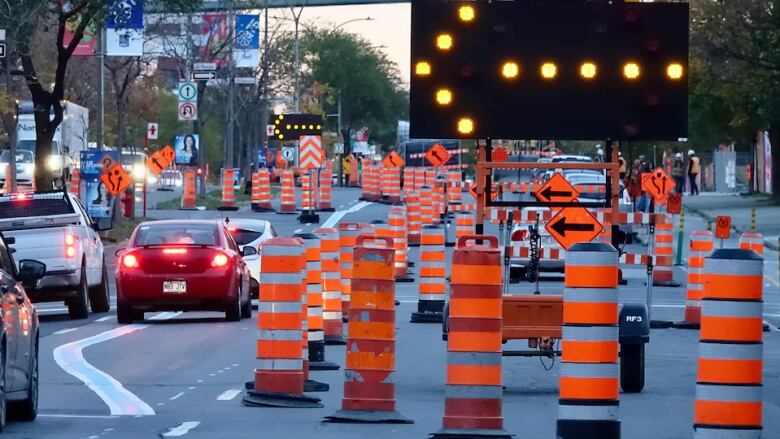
pixel 739 208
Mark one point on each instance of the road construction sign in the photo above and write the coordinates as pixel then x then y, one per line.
pixel 393 160
pixel 169 153
pixel 674 203
pixel 312 154
pixel 572 225
pixel 473 192
pixel 500 155
pixel 723 227
pixel 658 184
pixel 115 179
pixel 437 155
pixel 157 162
pixel 557 190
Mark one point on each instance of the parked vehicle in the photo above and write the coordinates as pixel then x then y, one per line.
pixel 182 265
pixel 53 227
pixel 25 167
pixel 250 234
pixel 19 332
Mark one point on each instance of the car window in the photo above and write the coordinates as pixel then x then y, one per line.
pixel 176 234
pixel 6 262
pixel 87 218
pixel 243 236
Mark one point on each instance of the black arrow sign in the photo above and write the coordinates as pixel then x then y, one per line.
pixel 434 153
pixel 561 227
pixel 549 193
pixel 392 160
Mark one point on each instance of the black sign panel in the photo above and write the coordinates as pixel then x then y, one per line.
pixel 292 126
pixel 549 70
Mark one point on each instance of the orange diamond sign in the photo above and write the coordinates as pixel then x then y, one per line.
pixel 658 184
pixel 557 190
pixel 572 225
pixel 437 155
pixel 393 160
pixel 115 179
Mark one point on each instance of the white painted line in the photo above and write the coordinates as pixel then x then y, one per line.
pixel 336 217
pixel 297 231
pixel 105 319
pixel 76 416
pixel 159 404
pixel 182 429
pixel 65 331
pixel 119 400
pixel 191 388
pixel 228 395
pixel 177 396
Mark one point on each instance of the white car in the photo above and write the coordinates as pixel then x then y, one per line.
pixel 25 167
pixel 251 233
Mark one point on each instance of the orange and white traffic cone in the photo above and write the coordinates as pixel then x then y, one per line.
pixel 287 203
pixel 414 219
pixel 752 241
pixel 432 274
pixel 701 246
pixel 325 203
pixel 333 324
pixel 397 221
pixel 261 191
pixel 348 233
pixel 74 186
pixel 663 274
pixel 188 190
pixel 228 191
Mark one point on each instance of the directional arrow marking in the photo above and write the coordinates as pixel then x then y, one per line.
pixel 561 227
pixel 549 193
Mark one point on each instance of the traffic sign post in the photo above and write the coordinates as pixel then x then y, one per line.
pixel 311 152
pixel 188 111
pixel 723 228
pixel 152 131
pixel 188 92
pixel 572 225
pixel 115 179
pixel 674 203
pixel 658 184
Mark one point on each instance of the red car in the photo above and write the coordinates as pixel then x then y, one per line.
pixel 182 265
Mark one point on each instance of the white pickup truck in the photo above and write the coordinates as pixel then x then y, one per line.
pixel 54 228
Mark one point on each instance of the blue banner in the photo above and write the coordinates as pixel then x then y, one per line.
pixel 247 31
pixel 93 162
pixel 125 14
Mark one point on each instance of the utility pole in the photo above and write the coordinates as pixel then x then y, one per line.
pixel 231 62
pixel 264 79
pixel 101 54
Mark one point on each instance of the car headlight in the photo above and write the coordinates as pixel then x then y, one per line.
pixel 151 179
pixel 138 172
pixel 54 163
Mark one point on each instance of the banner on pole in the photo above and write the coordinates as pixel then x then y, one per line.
pixel 125 28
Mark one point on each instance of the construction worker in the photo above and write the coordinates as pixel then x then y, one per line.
pixel 694 169
pixel 678 173
pixel 345 165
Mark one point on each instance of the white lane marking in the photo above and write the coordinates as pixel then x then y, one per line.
pixel 182 429
pixel 76 416
pixel 336 217
pixel 297 231
pixel 119 400
pixel 228 395
pixel 104 319
pixel 176 396
pixel 65 331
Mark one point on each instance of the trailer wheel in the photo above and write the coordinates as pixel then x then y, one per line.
pixel 632 367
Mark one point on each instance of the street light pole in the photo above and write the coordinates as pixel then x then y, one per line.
pixel 231 98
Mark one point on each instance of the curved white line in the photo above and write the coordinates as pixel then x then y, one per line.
pixel 336 217
pixel 120 401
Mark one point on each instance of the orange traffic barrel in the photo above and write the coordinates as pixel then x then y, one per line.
pixel 426 205
pixel 752 241
pixel 464 224
pixel 419 178
pixel 430 177
pixel 729 380
pixel 287 196
pixel 414 219
pixel 384 183
pixel 433 273
pixel 261 191
pixel 369 387
pixel 333 324
pixel 314 303
pixel 307 192
pixel 439 202
pixel 228 191
pixel 348 233
pixel 408 179
pixel 74 186
pixel 701 246
pixel 454 189
pixel 663 274
pixel 397 221
pixel 394 186
pixel 325 202
pixel 589 382
pixel 188 190
pixel 279 376
pixel 473 392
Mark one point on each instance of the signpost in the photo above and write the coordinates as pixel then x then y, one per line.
pixel 393 160
pixel 437 155
pixel 572 225
pixel 188 92
pixel 722 228
pixel 188 111
pixel 674 203
pixel 152 131
pixel 557 190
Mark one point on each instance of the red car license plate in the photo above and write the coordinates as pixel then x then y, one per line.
pixel 175 286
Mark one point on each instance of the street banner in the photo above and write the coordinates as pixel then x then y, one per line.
pixel 214 34
pixel 125 28
pixel 187 147
pixel 85 47
pixel 247 53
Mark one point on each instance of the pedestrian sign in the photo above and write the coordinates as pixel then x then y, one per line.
pixel 723 227
pixel 437 155
pixel 658 184
pixel 188 92
pixel 572 225
pixel 557 190
pixel 393 161
pixel 115 179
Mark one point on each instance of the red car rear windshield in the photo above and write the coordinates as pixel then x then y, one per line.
pixel 176 234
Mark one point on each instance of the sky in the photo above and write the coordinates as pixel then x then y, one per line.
pixel 390 27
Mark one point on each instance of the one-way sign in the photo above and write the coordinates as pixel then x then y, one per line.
pixel 204 76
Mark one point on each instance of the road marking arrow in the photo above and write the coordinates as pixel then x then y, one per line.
pixel 561 226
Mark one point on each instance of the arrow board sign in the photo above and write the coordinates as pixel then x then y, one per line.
pixel 557 190
pixel 204 76
pixel 312 155
pixel 572 225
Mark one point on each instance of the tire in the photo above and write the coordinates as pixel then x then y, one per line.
pixel 233 312
pixel 99 299
pixel 26 410
pixel 3 403
pixel 124 313
pixel 246 309
pixel 78 305
pixel 632 367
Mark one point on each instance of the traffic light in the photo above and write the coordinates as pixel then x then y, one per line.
pixel 292 126
pixel 549 70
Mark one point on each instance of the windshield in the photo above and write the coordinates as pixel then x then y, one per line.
pixel 29 145
pixel 21 156
pixel 177 234
pixel 131 159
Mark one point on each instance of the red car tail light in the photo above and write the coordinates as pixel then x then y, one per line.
pixel 130 261
pixel 175 251
pixel 220 260
pixel 70 246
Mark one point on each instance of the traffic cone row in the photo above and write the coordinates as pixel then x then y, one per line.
pixel 325 202
pixel 261 190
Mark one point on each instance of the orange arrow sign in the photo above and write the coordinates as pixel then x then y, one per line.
pixel 393 160
pixel 156 163
pixel 572 225
pixel 437 155
pixel 657 184
pixel 557 190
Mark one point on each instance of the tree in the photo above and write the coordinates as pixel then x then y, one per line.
pixel 23 19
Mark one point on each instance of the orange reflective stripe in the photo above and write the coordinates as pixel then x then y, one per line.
pixel 589 388
pixel 730 371
pixel 276 320
pixel 278 349
pixel 372 300
pixel 433 288
pixel 370 360
pixel 473 375
pixel 591 277
pixel 590 313
pixel 701 246
pixel 727 413
pixel 718 286
pixel 372 270
pixel 433 272
pixel 473 341
pixel 731 328
pixel 589 351
pixel 280 293
pixel 476 308
pixel 281 264
pixel 432 256
pixel 371 330
pixel 476 274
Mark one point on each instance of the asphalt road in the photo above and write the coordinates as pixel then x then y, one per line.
pixel 181 375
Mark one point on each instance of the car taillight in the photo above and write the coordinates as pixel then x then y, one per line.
pixel 130 261
pixel 220 260
pixel 70 246
pixel 175 251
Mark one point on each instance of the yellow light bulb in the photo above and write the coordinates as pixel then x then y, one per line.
pixel 466 13
pixel 277 131
pixel 675 71
pixel 444 41
pixel 588 70
pixel 281 136
pixel 631 70
pixel 465 125
pixel 295 126
pixel 289 126
pixel 549 70
pixel 281 116
pixel 510 70
pixel 311 127
pixel 443 96
pixel 319 127
pixel 422 68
